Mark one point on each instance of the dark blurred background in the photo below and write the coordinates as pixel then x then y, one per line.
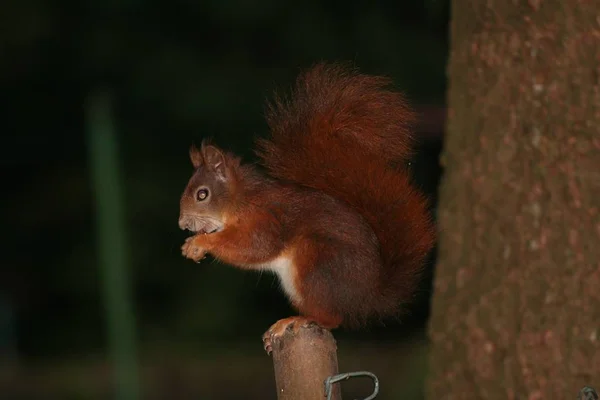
pixel 176 72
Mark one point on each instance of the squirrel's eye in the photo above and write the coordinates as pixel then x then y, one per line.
pixel 202 194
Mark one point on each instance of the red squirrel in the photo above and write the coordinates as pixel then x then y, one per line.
pixel 335 215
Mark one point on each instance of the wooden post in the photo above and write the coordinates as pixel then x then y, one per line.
pixel 303 358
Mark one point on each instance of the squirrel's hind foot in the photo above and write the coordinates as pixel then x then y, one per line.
pixel 279 328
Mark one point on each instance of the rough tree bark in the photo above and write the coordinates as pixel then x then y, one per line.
pixel 516 307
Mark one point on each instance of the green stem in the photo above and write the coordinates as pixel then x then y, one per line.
pixel 112 243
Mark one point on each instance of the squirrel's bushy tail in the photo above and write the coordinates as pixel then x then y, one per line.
pixel 344 133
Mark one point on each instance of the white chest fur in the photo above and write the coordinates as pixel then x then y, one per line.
pixel 283 267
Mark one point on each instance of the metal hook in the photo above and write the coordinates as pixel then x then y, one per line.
pixel 342 377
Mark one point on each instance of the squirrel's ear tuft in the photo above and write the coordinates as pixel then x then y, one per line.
pixel 214 159
pixel 195 156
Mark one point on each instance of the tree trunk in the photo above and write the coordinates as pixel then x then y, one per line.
pixel 516 307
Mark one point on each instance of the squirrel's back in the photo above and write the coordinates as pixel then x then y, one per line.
pixel 348 135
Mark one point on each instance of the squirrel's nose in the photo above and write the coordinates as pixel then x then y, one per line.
pixel 184 222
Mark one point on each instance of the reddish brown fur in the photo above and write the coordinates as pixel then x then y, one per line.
pixel 337 103
pixel 338 134
pixel 355 228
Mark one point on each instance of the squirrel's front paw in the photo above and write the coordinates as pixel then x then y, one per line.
pixel 192 251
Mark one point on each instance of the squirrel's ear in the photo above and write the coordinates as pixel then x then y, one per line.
pixel 215 160
pixel 195 156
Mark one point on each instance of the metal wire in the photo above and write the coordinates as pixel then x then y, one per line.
pixel 342 377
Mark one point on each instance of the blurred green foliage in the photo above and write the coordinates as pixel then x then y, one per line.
pixel 180 71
